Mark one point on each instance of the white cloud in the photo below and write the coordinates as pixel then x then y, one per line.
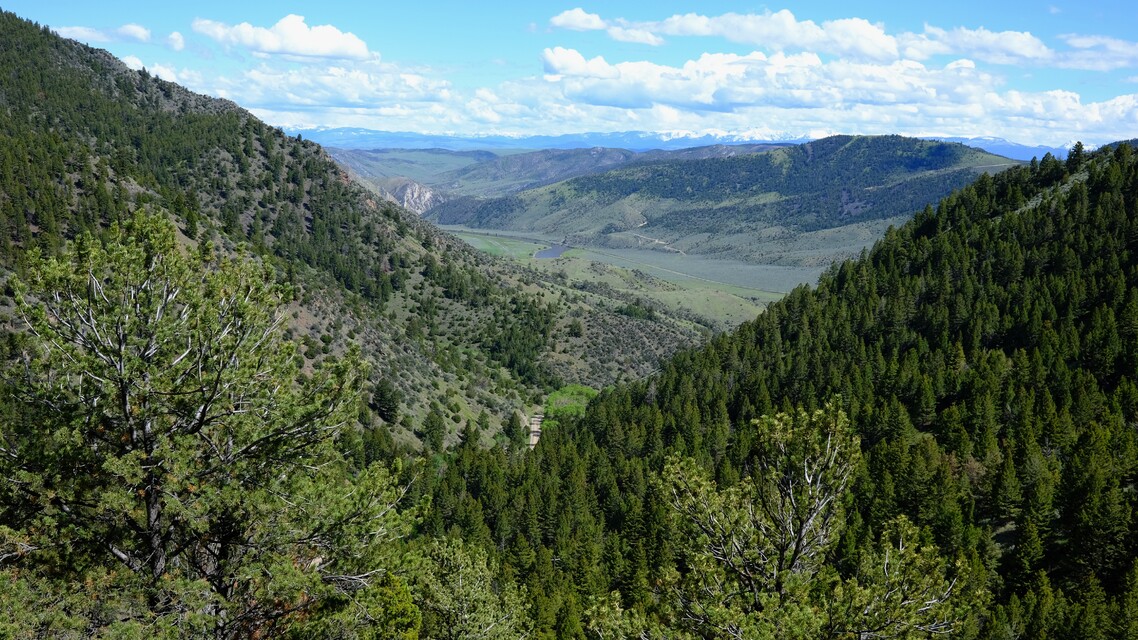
pixel 860 38
pixel 176 41
pixel 127 32
pixel 578 20
pixel 483 111
pixel 639 36
pixel 1002 47
pixel 560 62
pixel 165 72
pixel 801 93
pixel 83 34
pixel 963 63
pixel 134 32
pixel 372 85
pixel 130 32
pixel 800 78
pixel 772 31
pixel 289 36
pixel 1099 53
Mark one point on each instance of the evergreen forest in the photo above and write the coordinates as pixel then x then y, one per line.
pixel 938 439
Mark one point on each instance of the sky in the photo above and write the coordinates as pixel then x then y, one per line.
pixel 1046 73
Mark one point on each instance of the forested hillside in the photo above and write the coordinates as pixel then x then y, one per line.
pixel 729 207
pixel 984 356
pixel 85 141
pixel 221 358
pixel 211 338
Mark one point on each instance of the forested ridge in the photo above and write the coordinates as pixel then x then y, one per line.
pixel 984 355
pixel 938 438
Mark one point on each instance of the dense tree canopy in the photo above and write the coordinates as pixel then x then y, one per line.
pixel 161 444
pixel 984 354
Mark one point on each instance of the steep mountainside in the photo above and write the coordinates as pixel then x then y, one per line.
pixel 985 354
pixel 734 207
pixel 85 141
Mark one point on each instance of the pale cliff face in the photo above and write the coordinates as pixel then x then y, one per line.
pixel 415 197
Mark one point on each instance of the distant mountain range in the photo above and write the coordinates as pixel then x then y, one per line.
pixel 355 138
pixel 1008 149
pixel 358 138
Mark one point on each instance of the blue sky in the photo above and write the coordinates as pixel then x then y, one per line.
pixel 1031 72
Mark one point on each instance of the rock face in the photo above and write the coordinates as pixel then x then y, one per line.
pixel 414 196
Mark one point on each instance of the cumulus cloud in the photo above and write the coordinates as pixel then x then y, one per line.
pixel 577 20
pixel 1099 53
pixel 1087 53
pixel 640 36
pixel 803 93
pixel 134 32
pixel 484 107
pixel 999 47
pixel 289 36
pixel 561 62
pixel 83 34
pixel 130 32
pixel 772 31
pixel 963 63
pixel 859 39
pixel 800 77
pixel 371 85
pixel 759 95
pixel 165 72
pixel 176 41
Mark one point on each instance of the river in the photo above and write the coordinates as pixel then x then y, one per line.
pixel 551 252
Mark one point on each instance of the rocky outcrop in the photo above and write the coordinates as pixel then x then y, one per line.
pixel 414 196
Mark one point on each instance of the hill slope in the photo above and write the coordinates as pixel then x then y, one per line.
pixel 85 141
pixel 433 176
pixel 985 353
pixel 739 207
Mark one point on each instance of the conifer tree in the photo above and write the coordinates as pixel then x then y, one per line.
pixel 163 456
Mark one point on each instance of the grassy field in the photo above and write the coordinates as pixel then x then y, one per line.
pixel 725 293
pixel 501 245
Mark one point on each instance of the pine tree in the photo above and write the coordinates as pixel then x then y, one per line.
pixel 164 456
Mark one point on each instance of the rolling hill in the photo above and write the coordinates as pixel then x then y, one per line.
pixel 762 207
pixel 420 179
